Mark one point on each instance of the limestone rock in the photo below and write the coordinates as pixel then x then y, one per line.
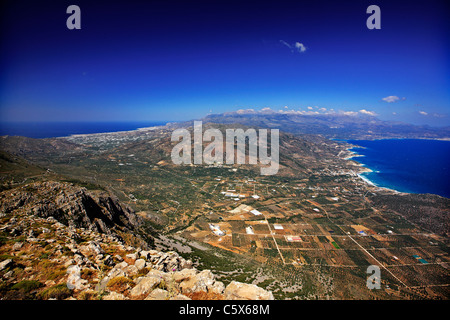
pixel 145 286
pixel 140 264
pixel 218 287
pixel 185 274
pixel 242 291
pixel 131 270
pixel 159 274
pixel 202 281
pixel 95 248
pixel 74 280
pixel 5 264
pixel 17 246
pixel 80 229
pixel 132 256
pixel 117 271
pixel 115 296
pixel 168 261
pixel 180 297
pixel 158 294
pixel 144 254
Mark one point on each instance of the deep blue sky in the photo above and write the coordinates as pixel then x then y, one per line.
pixel 179 60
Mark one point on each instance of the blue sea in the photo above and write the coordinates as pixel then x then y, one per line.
pixel 64 129
pixel 407 165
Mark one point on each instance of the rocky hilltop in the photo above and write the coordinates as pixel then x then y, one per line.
pixel 60 241
pixel 71 205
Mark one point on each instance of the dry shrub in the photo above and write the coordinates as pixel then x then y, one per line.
pixel 120 284
pixel 58 292
pixel 202 295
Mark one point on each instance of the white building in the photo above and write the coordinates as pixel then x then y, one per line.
pixel 255 212
pixel 249 230
pixel 216 230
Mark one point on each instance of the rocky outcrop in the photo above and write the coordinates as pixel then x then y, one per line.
pixel 57 252
pixel 242 291
pixel 5 264
pixel 183 284
pixel 72 206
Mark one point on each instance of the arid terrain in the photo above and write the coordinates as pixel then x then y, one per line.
pixel 309 232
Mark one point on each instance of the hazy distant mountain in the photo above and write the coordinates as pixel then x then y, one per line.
pixel 348 125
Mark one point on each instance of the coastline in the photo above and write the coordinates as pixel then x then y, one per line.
pixel 81 135
pixel 364 169
pixel 391 166
pixel 68 129
pixel 436 139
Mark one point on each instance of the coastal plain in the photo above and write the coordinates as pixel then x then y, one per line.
pixel 309 232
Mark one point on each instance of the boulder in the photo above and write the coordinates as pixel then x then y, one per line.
pixel 145 286
pixel 17 246
pixel 131 270
pixel 168 261
pixel 117 271
pixel 242 291
pixel 79 259
pixel 74 281
pixel 180 297
pixel 158 294
pixel 95 248
pixel 202 281
pixel 140 264
pixel 185 274
pixel 144 254
pixel 159 274
pixel 218 287
pixel 115 296
pixel 132 256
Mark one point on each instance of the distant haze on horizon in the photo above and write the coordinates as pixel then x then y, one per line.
pixel 182 60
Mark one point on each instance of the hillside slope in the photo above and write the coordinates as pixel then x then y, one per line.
pixel 59 241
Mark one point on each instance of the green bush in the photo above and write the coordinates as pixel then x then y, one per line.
pixel 44 256
pixel 58 292
pixel 27 285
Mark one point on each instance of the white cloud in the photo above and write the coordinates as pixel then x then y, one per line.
pixel 392 99
pixel 245 111
pixel 349 113
pixel 286 44
pixel 369 113
pixel 316 110
pixel 266 110
pixel 296 47
pixel 423 113
pixel 300 47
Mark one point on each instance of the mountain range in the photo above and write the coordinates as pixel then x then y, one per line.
pixel 346 125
